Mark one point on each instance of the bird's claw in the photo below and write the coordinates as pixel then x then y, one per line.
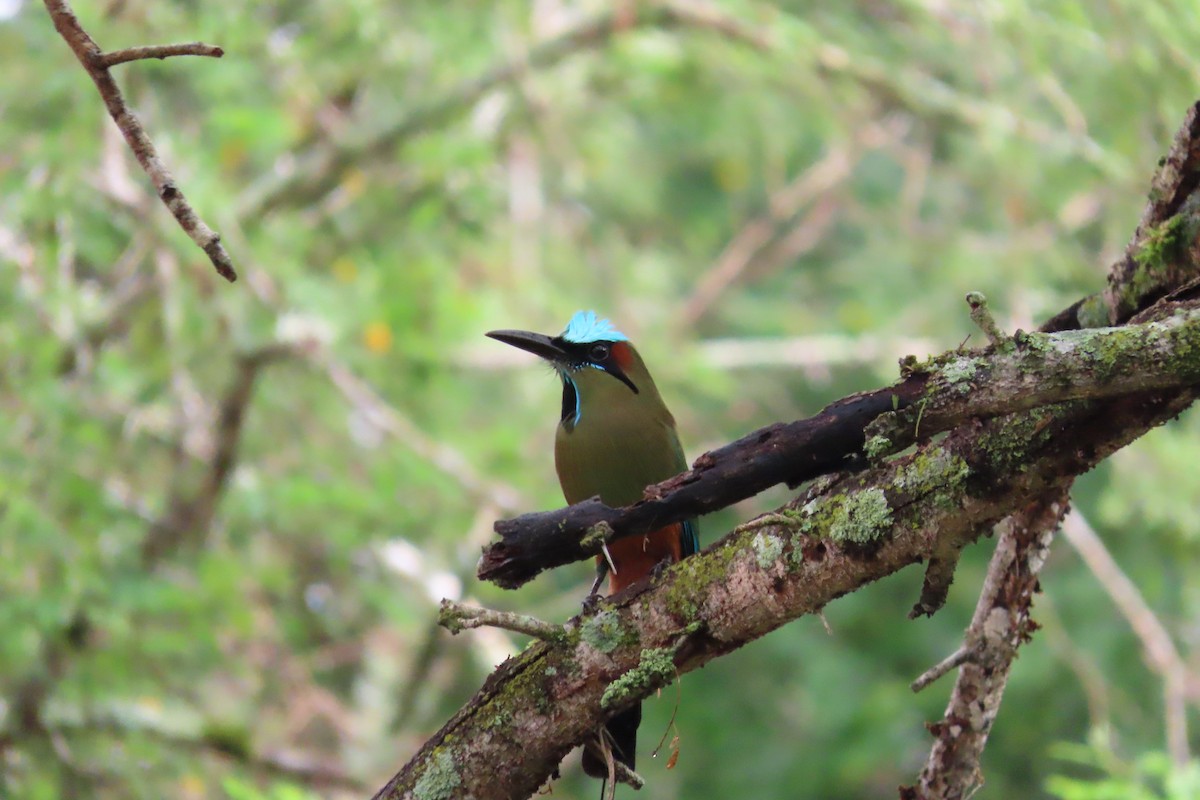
pixel 659 569
pixel 591 602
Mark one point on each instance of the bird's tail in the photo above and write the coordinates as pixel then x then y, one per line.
pixel 620 734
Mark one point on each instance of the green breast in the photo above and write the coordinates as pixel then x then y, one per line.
pixel 617 448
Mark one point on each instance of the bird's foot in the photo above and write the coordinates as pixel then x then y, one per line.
pixel 593 596
pixel 659 569
pixel 591 602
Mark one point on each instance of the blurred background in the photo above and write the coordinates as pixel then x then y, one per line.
pixel 228 512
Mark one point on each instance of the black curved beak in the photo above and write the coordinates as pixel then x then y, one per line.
pixel 537 343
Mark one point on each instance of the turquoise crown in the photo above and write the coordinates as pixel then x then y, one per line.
pixel 586 327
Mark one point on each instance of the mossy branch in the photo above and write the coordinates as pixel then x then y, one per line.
pixel 1027 371
pixel 456 618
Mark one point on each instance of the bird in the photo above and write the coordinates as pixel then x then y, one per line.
pixel 615 437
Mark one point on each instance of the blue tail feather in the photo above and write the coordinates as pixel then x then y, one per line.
pixel 689 537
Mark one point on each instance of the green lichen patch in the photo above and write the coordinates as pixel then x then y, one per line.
pixel 604 632
pixel 867 516
pixel 596 535
pixel 1008 448
pixel 1162 244
pixel 960 369
pixel 1033 341
pixel 440 780
pixel 877 447
pixel 655 668
pixel 1157 262
pixel 859 517
pixel 690 577
pixel 934 472
pixel 767 549
pixel 929 470
pixel 501 719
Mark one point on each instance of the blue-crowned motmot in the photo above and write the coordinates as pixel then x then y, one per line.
pixel 615 438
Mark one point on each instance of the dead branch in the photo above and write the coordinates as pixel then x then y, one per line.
pixel 456 618
pixel 96 62
pixel 159 51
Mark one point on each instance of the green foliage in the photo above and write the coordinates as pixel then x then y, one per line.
pixel 236 789
pixel 1151 776
pixel 774 219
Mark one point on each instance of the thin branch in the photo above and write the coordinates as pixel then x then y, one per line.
pixel 951 662
pixel 456 618
pixel 1158 649
pixel 93 60
pixel 160 51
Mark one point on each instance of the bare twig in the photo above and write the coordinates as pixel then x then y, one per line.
pixel 160 51
pixel 93 60
pixel 456 618
pixel 953 661
pixel 1158 648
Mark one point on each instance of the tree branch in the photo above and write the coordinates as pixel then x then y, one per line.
pixel 456 618
pixel 97 64
pixel 857 529
pixel 159 51
pixel 1028 371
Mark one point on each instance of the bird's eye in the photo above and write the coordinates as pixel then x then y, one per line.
pixel 599 352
